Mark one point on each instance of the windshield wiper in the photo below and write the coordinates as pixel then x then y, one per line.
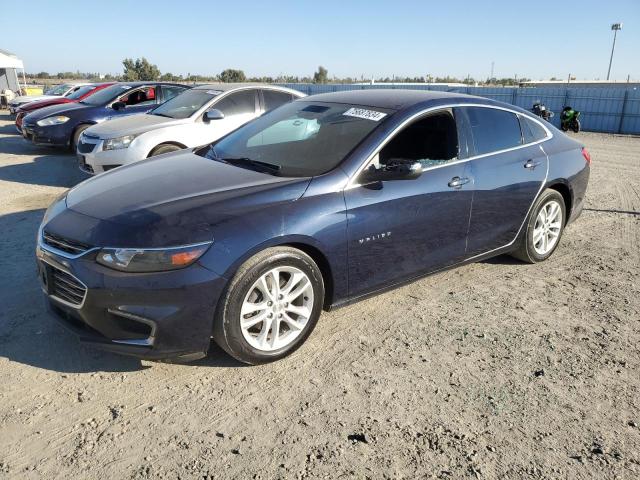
pixel 160 114
pixel 255 163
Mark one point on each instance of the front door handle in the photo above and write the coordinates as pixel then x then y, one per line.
pixel 458 182
pixel 531 164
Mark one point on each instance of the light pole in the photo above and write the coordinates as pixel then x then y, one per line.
pixel 615 27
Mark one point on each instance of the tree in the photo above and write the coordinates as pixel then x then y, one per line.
pixel 141 69
pixel 321 76
pixel 231 75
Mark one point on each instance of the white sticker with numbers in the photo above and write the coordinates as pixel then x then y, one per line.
pixel 366 114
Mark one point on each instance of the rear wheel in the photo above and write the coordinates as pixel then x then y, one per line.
pixel 76 136
pixel 543 229
pixel 576 126
pixel 164 148
pixel 270 307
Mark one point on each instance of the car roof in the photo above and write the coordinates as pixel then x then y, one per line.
pixel 397 99
pixel 225 87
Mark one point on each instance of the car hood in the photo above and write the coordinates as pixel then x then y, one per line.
pixel 32 98
pixel 171 199
pixel 62 109
pixel 28 107
pixel 131 125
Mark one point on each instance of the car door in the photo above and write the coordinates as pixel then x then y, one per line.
pixel 402 228
pixel 508 175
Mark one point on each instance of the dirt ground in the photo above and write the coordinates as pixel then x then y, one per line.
pixel 494 370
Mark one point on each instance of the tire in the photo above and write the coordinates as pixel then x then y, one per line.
pixel 76 136
pixel 164 148
pixel 576 126
pixel 564 127
pixel 257 344
pixel 531 249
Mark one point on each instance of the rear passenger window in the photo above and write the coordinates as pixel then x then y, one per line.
pixel 531 131
pixel 239 103
pixel 273 99
pixel 493 129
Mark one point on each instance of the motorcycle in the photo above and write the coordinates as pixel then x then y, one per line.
pixel 569 119
pixel 540 110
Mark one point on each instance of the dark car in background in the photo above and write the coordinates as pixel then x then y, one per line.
pixel 80 94
pixel 316 204
pixel 61 125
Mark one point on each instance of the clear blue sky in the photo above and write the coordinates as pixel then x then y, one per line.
pixel 536 39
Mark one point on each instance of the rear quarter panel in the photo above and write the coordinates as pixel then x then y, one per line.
pixel 568 167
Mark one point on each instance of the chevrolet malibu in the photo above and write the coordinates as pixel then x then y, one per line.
pixel 195 117
pixel 317 204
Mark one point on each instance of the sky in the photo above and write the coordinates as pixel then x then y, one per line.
pixel 356 38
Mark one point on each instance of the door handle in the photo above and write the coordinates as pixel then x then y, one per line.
pixel 531 164
pixel 457 182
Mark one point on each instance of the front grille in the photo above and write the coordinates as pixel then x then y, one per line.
pixel 64 244
pixel 66 287
pixel 86 147
pixel 89 135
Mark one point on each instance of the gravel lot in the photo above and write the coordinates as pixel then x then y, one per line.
pixel 494 370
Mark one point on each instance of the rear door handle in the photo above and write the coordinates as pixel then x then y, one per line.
pixel 457 182
pixel 531 164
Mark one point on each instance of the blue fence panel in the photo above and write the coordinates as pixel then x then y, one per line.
pixel 606 109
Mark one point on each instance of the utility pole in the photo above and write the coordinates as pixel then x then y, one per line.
pixel 491 78
pixel 615 27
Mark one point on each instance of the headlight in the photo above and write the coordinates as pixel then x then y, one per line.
pixel 151 260
pixel 57 120
pixel 118 143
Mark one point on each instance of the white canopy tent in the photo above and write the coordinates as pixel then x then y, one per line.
pixel 11 63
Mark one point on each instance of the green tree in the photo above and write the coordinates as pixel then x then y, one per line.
pixel 321 76
pixel 231 75
pixel 140 69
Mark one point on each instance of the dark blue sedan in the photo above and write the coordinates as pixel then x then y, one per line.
pixel 61 125
pixel 314 205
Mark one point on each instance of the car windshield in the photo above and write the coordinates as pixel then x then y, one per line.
pixel 301 138
pixel 58 90
pixel 105 95
pixel 80 92
pixel 185 104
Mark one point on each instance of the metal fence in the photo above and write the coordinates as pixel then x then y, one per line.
pixel 602 109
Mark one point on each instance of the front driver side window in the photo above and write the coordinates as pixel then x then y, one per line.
pixel 141 96
pixel 239 103
pixel 432 141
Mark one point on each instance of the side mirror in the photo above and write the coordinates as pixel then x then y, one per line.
pixel 213 114
pixel 118 105
pixel 393 171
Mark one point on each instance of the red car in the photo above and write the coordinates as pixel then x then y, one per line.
pixel 77 96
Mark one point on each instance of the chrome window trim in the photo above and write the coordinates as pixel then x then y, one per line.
pixel 352 183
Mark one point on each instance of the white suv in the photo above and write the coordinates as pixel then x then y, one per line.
pixel 196 117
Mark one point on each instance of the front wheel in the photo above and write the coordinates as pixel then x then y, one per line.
pixel 164 148
pixel 75 139
pixel 564 127
pixel 270 307
pixel 543 228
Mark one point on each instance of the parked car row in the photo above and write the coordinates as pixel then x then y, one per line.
pixel 317 203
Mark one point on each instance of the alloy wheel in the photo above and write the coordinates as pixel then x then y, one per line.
pixel 547 227
pixel 277 308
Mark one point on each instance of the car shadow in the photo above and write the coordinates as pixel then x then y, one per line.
pixel 48 168
pixel 30 334
pixel 502 260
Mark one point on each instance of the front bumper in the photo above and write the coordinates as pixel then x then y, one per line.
pixel 54 135
pixel 151 315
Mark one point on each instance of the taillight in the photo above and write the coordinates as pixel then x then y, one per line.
pixel 586 155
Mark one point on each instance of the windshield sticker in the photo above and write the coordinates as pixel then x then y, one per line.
pixel 364 113
pixel 213 92
pixel 125 87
